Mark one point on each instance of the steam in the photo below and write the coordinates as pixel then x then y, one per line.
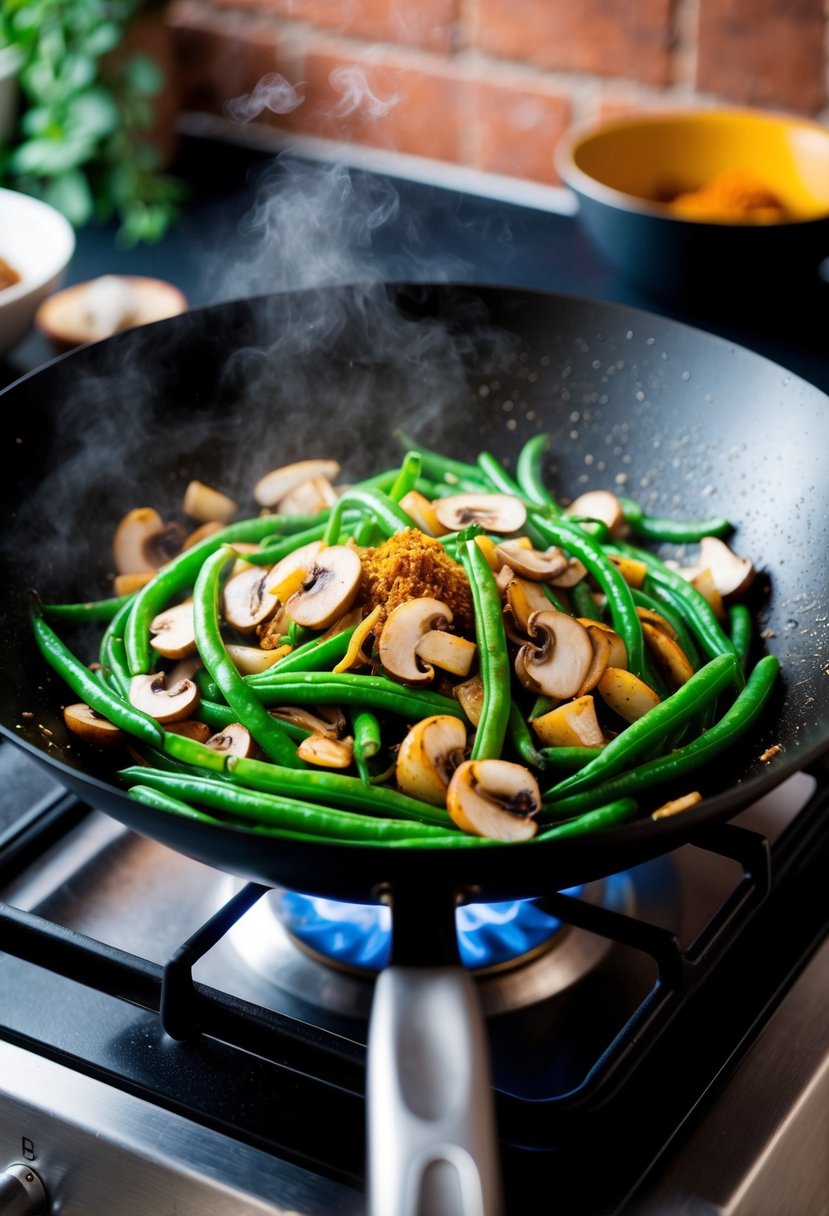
pixel 273 92
pixel 355 94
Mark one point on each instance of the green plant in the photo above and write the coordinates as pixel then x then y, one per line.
pixel 82 142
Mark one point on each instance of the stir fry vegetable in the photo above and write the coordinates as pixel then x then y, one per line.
pixel 443 656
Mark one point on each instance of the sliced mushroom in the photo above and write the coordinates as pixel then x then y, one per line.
pixel 210 528
pixel 670 658
pixel 600 505
pixel 325 752
pixel 173 631
pixel 602 644
pixel 191 728
pixel 446 651
pixel 126 584
pixel 309 498
pixel 652 617
pixel 494 798
pixel 631 569
pixel 89 725
pixel 246 603
pixel 405 626
pixel 329 590
pixel 531 563
pixel 143 541
pixel 502 513
pixel 703 580
pixel 627 695
pixel 233 740
pixel 573 724
pixel 274 486
pixel 421 512
pixel 574 573
pixel 203 503
pixel 428 756
pixel 676 805
pixel 151 694
pixel 618 653
pixel 523 600
pixel 301 559
pixel 184 669
pixel 732 575
pixel 558 664
pixel 250 660
pixel 329 720
pixel 470 695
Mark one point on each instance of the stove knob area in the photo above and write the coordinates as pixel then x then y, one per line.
pixel 21 1192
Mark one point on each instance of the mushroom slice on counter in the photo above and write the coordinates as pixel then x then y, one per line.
pixel 276 485
pixel 494 798
pixel 173 631
pixel 421 512
pixel 627 695
pixel 732 575
pixel 404 628
pixel 447 651
pixel 500 513
pixel 428 756
pixel 329 589
pixel 557 658
pixel 601 505
pixel 573 724
pixel 537 566
pixel 89 725
pixel 233 740
pixel 201 502
pixel 143 542
pixel 326 752
pixel 670 658
pixel 151 694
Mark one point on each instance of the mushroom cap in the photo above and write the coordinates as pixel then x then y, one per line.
pixel 557 668
pixel 89 725
pixel 204 504
pixel 173 631
pixel 732 575
pixel 151 694
pixel 232 740
pixel 329 590
pixel 276 485
pixel 601 505
pixel 428 756
pixel 494 798
pixel 246 603
pixel 326 752
pixel 539 567
pixel 129 543
pixel 502 513
pixel 405 626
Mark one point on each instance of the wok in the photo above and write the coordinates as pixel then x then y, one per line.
pixel 687 423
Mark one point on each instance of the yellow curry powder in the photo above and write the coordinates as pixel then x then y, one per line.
pixel 734 194
pixel 410 565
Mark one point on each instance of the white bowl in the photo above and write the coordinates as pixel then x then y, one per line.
pixel 37 242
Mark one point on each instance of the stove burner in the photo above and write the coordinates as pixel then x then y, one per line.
pixel 358 936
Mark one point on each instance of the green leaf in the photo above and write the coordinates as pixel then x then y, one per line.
pixel 50 157
pixel 78 70
pixel 93 114
pixel 103 38
pixel 71 195
pixel 143 75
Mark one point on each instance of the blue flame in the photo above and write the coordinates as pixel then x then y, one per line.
pixel 359 935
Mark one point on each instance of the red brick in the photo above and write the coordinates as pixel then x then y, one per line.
pixel 430 24
pixel 605 37
pixel 763 52
pixel 385 103
pixel 518 128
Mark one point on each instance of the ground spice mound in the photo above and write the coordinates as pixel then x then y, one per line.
pixel 410 565
pixel 732 194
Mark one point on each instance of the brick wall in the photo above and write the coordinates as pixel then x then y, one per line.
pixel 490 84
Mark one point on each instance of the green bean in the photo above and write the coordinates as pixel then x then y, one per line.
pixel 671 531
pixel 530 478
pixel 95 611
pixel 113 659
pixel 90 689
pixel 370 692
pixel 607 815
pixel 497 476
pixel 317 654
pixel 337 789
pixel 269 555
pixel 387 515
pixel 248 709
pixel 688 759
pixel 742 630
pixel 365 729
pixel 665 605
pixel 219 717
pixel 191 752
pixel 406 479
pixel 697 692
pixel 571 759
pixel 180 574
pixel 276 810
pixel 438 466
pixel 584 604
pixel 522 740
pixel 619 598
pixel 493 656
pixel 698 612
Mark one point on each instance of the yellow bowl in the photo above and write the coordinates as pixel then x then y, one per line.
pixel 627 174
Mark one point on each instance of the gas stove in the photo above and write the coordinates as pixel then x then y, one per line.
pixel 174 1040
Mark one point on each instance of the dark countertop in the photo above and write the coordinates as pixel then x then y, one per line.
pixel 256 221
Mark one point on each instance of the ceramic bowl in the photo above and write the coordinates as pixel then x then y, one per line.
pixel 708 204
pixel 37 243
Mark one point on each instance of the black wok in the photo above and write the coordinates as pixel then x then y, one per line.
pixel 685 422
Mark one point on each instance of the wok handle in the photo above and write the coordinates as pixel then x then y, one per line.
pixel 432 1146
